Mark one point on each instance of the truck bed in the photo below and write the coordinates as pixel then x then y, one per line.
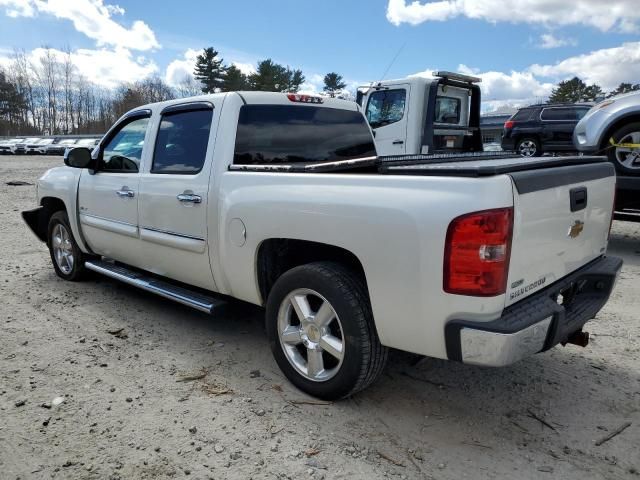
pixel 475 164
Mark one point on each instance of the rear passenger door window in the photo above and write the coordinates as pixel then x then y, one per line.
pixel 181 143
pixel 560 114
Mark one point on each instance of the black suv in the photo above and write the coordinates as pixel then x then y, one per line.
pixel 539 129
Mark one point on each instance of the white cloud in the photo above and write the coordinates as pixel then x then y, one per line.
pixel 18 8
pixel 103 67
pixel 549 40
pixel 606 67
pixel 90 17
pixel 621 15
pixel 534 83
pixel 182 68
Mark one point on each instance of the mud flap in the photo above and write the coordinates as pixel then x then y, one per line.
pixel 35 219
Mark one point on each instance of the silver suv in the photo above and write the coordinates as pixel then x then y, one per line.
pixel 612 128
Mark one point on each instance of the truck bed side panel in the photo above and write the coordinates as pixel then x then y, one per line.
pixel 395 226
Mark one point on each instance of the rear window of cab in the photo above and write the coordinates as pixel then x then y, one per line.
pixel 282 134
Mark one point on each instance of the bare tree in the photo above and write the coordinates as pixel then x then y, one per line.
pixel 188 87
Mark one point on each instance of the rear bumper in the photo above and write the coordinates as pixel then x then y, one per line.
pixel 507 143
pixel 538 322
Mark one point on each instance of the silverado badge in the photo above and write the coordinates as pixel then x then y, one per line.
pixel 576 229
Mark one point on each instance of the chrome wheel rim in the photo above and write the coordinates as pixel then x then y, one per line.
pixel 629 157
pixel 527 148
pixel 62 248
pixel 311 335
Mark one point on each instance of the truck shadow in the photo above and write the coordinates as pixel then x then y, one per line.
pixel 625 242
pixel 558 401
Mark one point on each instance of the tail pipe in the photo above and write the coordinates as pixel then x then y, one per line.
pixel 579 338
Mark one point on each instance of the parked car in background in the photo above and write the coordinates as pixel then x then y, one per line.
pixel 21 147
pixel 612 128
pixel 87 143
pixel 58 148
pixel 8 147
pixel 544 128
pixel 35 147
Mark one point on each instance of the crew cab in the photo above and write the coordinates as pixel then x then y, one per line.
pixel 281 201
pixel 418 115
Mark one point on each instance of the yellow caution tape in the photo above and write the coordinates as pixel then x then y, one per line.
pixel 623 145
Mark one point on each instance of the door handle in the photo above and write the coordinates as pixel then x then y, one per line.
pixel 189 198
pixel 124 192
pixel 398 142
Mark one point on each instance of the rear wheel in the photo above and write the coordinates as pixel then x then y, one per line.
pixel 321 330
pixel 66 256
pixel 528 147
pixel 626 158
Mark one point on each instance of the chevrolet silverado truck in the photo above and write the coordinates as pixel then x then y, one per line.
pixel 280 200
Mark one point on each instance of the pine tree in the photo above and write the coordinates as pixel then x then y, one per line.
pixel 209 70
pixel 273 77
pixel 234 80
pixel 333 84
pixel 624 88
pixel 573 91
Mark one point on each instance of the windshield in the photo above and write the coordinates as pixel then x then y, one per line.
pixel 86 142
pixel 66 142
pixel 270 134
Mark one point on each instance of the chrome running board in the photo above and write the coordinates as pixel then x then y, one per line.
pixel 151 284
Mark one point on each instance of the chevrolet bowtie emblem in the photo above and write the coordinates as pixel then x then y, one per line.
pixel 576 229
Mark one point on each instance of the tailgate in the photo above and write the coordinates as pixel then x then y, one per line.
pixel 562 217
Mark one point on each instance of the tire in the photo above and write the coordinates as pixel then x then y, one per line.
pixel 626 160
pixel 66 256
pixel 529 147
pixel 341 337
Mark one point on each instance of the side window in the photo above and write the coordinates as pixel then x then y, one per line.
pixel 523 115
pixel 181 144
pixel 386 107
pixel 447 110
pixel 122 153
pixel 558 114
pixel 581 112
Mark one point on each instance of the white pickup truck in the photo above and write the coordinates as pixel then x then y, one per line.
pixel 280 200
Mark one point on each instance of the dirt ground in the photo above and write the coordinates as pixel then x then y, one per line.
pixel 122 363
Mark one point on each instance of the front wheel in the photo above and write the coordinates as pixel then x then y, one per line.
pixel 529 147
pixel 66 256
pixel 321 330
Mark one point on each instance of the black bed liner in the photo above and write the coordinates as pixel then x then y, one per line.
pixel 474 164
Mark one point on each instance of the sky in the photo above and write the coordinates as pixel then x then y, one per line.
pixel 520 48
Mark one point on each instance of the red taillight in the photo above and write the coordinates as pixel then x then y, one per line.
pixel 509 124
pixel 294 97
pixel 477 252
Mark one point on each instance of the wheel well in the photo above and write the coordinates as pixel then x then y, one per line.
pixel 51 205
pixel 604 141
pixel 278 255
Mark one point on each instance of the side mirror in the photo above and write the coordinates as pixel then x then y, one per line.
pixel 78 157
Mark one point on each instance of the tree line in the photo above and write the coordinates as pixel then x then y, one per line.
pixel 49 95
pixel 576 90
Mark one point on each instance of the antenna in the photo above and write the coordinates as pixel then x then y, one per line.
pixel 392 62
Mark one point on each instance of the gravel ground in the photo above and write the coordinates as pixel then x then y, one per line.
pixel 100 380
